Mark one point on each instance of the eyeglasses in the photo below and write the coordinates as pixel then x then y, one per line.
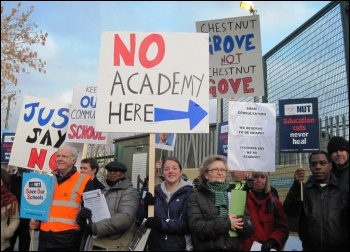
pixel 216 170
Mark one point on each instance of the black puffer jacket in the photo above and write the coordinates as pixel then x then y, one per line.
pixel 209 230
pixel 324 214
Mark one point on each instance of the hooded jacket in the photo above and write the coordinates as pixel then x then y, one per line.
pixel 173 213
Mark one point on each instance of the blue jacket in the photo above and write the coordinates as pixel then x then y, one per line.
pixel 171 237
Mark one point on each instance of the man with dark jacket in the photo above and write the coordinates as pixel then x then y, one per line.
pixel 338 149
pixel 324 208
pixel 89 166
pixel 115 233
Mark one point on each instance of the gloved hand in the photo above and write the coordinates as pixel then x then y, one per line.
pixel 268 245
pixel 83 214
pixel 149 199
pixel 250 182
pixel 88 227
pixel 154 222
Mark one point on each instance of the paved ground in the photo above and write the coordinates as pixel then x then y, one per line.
pixel 36 239
pixel 293 243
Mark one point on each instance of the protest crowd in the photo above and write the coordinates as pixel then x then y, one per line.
pixel 218 212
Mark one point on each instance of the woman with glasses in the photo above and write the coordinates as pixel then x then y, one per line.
pixel 208 210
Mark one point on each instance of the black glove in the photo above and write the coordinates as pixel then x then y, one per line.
pixel 149 199
pixel 154 222
pixel 268 245
pixel 83 214
pixel 250 182
pixel 88 227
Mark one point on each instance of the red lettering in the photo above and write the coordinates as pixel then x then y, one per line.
pixel 145 44
pixel 52 162
pixel 212 89
pixel 120 50
pixel 128 55
pixel 246 82
pixel 39 160
pixel 35 159
pixel 223 86
pixel 235 84
pixel 84 132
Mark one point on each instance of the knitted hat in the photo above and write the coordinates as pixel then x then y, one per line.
pixel 337 143
pixel 116 166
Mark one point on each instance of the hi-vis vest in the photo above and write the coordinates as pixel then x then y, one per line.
pixel 65 205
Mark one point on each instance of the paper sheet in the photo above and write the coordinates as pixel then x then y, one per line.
pixel 256 246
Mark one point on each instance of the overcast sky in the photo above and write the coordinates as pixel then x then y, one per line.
pixel 74 28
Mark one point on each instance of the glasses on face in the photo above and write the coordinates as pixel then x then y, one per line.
pixel 216 170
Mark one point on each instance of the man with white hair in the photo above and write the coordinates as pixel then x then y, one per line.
pixel 61 232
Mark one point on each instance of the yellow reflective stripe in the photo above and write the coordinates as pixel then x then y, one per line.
pixel 77 186
pixel 71 202
pixel 62 220
pixel 65 203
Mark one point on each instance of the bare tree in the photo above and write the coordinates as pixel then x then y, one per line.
pixel 18 34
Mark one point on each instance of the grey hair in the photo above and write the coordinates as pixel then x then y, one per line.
pixel 267 185
pixel 74 152
pixel 204 167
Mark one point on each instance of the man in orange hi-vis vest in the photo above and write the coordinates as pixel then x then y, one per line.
pixel 62 232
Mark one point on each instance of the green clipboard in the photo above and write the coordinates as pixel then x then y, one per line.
pixel 237 205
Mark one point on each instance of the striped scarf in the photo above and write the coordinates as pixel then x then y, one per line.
pixel 221 198
pixel 9 201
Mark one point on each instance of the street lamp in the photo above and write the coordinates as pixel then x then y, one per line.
pixel 248 5
pixel 8 110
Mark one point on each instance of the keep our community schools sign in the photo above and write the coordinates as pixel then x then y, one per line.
pixel 149 82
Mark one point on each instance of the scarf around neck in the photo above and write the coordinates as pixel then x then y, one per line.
pixel 7 198
pixel 221 197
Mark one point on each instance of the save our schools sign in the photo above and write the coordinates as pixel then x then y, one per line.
pixel 150 82
pixel 235 56
pixel 299 125
pixel 36 197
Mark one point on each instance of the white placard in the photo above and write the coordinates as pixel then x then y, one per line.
pixel 235 54
pixel 81 125
pixel 252 136
pixel 153 82
pixel 41 130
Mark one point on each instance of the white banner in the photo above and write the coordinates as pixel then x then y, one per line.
pixel 252 136
pixel 153 82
